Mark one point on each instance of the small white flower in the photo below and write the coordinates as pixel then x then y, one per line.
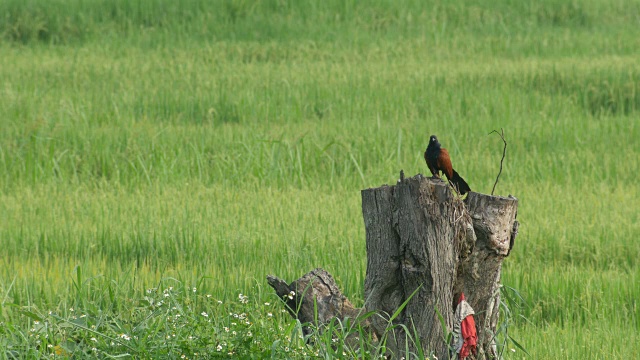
pixel 166 294
pixel 269 314
pixel 36 322
pixel 249 334
pixel 267 304
pixel 204 314
pixel 226 329
pixel 183 356
pixel 513 350
pixel 194 289
pixel 286 349
pixel 71 309
pixel 219 347
pixel 49 346
pixel 94 349
pixel 125 336
pixel 219 302
pixel 94 339
pixel 208 296
pixel 234 333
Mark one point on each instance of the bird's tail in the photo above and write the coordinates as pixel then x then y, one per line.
pixel 459 183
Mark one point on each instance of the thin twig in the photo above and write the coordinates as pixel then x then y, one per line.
pixel 504 152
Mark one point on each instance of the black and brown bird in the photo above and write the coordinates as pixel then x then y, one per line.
pixel 437 159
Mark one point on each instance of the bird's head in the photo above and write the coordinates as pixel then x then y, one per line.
pixel 433 140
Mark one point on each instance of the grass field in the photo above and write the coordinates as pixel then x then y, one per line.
pixel 205 144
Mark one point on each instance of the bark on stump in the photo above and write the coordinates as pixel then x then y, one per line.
pixel 420 238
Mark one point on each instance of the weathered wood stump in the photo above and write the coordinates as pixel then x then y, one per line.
pixel 495 226
pixel 416 232
pixel 425 244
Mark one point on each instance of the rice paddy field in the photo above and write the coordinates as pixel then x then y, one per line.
pixel 159 158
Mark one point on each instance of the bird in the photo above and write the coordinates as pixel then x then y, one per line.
pixel 438 159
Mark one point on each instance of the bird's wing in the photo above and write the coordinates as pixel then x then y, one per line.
pixel 444 163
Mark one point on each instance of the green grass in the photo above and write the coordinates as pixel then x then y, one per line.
pixel 217 142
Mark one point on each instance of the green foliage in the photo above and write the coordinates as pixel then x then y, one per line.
pixel 72 21
pixel 168 321
pixel 147 140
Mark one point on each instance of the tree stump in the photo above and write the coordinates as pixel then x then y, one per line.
pixel 425 244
